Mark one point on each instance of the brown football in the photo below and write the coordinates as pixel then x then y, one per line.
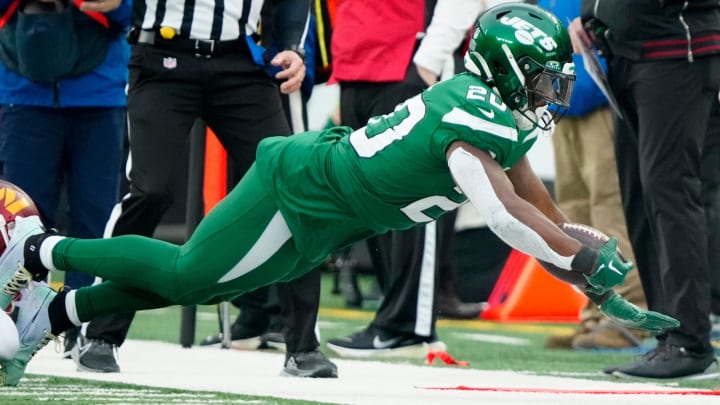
pixel 588 236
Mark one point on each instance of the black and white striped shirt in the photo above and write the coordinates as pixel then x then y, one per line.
pixel 224 19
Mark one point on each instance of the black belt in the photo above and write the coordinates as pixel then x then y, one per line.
pixel 201 48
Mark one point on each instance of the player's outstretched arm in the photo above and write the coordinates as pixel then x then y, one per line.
pixel 522 224
pixel 603 268
pixel 627 314
pixel 530 188
pixel 517 222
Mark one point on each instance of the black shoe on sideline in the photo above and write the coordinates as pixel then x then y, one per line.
pixel 312 364
pixel 273 340
pixel 273 337
pixel 668 361
pixel 370 342
pixel 95 356
pixel 244 337
pixel 450 307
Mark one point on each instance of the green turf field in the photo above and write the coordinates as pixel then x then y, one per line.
pixel 485 345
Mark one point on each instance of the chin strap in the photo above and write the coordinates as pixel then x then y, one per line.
pixel 541 118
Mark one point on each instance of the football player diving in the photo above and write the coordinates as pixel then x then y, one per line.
pixel 310 194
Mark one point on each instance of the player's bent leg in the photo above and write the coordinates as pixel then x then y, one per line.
pixel 243 229
pixel 13 275
pixel 131 260
pixel 33 327
pixel 284 263
pixel 244 243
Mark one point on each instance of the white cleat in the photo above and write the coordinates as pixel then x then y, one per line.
pixel 33 327
pixel 13 276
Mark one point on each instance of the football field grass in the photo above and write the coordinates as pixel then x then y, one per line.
pixel 489 347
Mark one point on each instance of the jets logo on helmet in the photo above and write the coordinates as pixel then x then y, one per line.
pixel 527 33
pixel 525 53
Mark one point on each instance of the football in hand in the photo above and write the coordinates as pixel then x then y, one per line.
pixel 588 236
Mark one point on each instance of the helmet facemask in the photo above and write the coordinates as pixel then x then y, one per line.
pixel 546 90
pixel 525 53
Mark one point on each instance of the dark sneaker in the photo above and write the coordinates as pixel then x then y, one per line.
pixel 669 361
pixel 273 340
pixel 94 355
pixel 450 307
pixel 273 337
pixel 369 343
pixel 69 341
pixel 244 337
pixel 312 364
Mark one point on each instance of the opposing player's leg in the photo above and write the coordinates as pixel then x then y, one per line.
pixel 33 326
pixel 243 244
pixel 13 276
pixel 51 314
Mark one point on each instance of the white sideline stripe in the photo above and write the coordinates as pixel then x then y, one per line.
pixel 168 365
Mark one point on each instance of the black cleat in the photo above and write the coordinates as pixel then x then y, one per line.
pixel 312 364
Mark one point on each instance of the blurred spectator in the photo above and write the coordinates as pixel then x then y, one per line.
pixel 587 190
pixel 664 70
pixel 63 114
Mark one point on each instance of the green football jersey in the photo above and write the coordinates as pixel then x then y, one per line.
pixel 338 186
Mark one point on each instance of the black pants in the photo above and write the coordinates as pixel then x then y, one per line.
pixel 659 147
pixel 168 92
pixel 407 281
pixel 294 304
pixel 710 172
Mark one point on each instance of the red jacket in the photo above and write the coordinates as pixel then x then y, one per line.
pixel 374 40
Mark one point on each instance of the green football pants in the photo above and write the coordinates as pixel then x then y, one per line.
pixel 241 245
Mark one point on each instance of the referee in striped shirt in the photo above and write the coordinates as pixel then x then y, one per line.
pixel 196 59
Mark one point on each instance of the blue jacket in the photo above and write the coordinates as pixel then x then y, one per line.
pixel 586 96
pixel 103 87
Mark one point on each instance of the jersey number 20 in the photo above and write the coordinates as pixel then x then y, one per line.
pixel 383 130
